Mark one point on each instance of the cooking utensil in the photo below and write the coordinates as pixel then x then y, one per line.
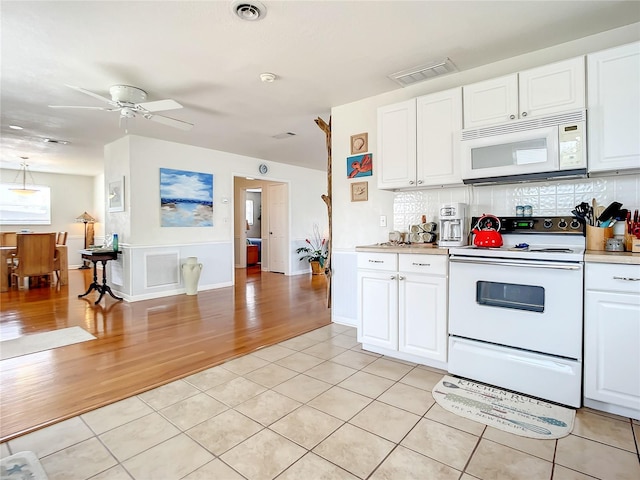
pixel 610 212
pixel 487 232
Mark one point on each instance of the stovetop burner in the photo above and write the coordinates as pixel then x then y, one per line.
pixel 534 238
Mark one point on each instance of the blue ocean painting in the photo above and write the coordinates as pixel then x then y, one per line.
pixel 186 198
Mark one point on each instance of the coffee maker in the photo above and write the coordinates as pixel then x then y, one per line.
pixel 454 228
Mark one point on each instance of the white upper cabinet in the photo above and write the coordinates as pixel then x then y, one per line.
pixel 613 101
pixel 555 88
pixel 439 121
pixel 417 143
pixel 397 145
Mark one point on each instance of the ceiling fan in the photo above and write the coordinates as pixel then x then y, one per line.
pixel 130 101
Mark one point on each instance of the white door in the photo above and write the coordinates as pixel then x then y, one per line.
pixel 555 88
pixel 439 119
pixel 423 316
pixel 378 308
pixel 613 100
pixel 278 203
pixel 397 145
pixel 492 101
pixel 611 339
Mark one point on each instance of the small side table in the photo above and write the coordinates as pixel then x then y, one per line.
pixel 102 256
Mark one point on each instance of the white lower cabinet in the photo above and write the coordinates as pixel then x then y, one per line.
pixel 402 306
pixel 612 338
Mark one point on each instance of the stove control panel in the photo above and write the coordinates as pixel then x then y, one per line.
pixel 567 225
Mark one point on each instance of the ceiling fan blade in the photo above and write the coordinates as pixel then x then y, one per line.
pixel 86 108
pixel 159 105
pixel 172 122
pixel 91 94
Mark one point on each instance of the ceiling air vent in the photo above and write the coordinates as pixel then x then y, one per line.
pixel 423 72
pixel 249 11
pixel 280 136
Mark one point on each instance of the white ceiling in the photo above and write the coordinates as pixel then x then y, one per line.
pixel 325 53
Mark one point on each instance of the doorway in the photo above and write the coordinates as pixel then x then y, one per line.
pixel 261 224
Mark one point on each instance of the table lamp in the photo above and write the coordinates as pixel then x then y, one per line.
pixel 86 219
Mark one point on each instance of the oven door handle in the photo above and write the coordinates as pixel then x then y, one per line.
pixel 530 264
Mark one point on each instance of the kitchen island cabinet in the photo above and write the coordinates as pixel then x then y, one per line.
pixel 612 337
pixel 402 305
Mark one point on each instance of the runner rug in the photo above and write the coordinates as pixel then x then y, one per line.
pixel 38 342
pixel 503 409
pixel 22 466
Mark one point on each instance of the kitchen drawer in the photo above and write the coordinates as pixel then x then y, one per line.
pixel 416 263
pixel 378 261
pixel 612 277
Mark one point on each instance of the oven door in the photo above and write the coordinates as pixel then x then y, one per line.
pixel 526 304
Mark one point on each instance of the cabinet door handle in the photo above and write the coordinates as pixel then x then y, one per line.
pixel 511 117
pixel 627 279
pixel 421 264
pixel 393 277
pixel 524 114
pixel 400 277
pixel 419 182
pixel 411 182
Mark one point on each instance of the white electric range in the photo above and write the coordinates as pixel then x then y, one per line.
pixel 515 312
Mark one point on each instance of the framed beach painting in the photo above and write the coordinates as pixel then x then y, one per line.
pixel 186 198
pixel 360 166
pixel 115 196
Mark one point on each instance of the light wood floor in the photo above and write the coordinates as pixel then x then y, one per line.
pixel 140 345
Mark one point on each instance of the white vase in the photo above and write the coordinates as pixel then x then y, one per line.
pixel 191 274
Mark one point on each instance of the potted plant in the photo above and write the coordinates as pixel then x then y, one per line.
pixel 315 252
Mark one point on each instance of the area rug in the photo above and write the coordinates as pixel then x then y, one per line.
pixel 503 409
pixel 22 466
pixel 38 342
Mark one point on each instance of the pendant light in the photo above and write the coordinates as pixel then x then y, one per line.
pixel 24 190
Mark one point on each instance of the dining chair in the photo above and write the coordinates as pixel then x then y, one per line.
pixel 8 239
pixel 61 239
pixel 34 256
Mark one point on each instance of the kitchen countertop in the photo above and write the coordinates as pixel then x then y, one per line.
pixel 425 249
pixel 599 256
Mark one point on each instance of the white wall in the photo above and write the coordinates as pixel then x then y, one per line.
pixel 139 160
pixel 358 223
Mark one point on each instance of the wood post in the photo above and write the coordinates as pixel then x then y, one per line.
pixel 326 128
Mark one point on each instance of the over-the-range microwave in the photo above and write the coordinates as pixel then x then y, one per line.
pixel 522 150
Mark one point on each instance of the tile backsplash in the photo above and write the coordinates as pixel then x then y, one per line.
pixel 546 198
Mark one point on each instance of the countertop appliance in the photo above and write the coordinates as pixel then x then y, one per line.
pixel 454 228
pixel 523 150
pixel 515 312
pixel 486 232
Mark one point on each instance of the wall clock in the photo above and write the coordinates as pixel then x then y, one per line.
pixel 263 169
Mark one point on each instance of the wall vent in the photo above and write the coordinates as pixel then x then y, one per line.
pixel 162 269
pixel 423 72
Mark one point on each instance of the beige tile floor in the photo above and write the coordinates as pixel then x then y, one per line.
pixel 317 407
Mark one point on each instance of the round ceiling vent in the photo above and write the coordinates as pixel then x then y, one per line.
pixel 249 11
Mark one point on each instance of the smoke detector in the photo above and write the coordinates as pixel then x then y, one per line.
pixel 250 11
pixel 268 77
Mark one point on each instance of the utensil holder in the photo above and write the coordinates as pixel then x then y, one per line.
pixel 597 237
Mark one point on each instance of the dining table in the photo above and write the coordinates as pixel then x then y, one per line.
pixel 5 255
